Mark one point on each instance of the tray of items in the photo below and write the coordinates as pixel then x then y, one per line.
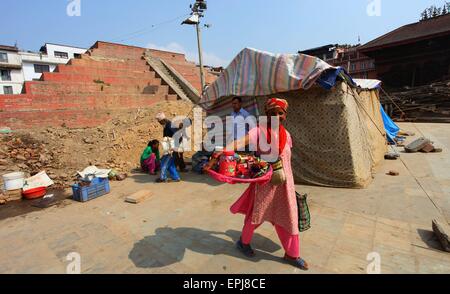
pixel 232 168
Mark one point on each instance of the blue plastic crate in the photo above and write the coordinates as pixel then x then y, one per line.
pixel 98 187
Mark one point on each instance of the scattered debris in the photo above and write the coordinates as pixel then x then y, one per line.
pixel 393 173
pixel 3 198
pixel 138 197
pixel 417 145
pixel 62 151
pixel 46 202
pixel 406 133
pixel 427 148
pixel 426 103
pixel 422 145
pixel 14 195
pixel 391 156
pixel 442 232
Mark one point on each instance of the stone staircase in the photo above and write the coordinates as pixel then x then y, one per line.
pixel 108 79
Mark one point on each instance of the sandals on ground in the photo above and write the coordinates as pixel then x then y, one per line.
pixel 245 249
pixel 297 262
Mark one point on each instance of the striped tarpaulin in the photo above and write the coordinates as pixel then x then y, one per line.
pixel 257 73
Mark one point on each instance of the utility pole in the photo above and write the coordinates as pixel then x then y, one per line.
pixel 197 12
pixel 200 56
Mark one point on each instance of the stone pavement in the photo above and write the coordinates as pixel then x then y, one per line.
pixel 187 228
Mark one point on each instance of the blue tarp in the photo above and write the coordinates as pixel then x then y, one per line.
pixel 329 78
pixel 391 128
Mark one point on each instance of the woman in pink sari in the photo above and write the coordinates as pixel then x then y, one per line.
pixel 272 202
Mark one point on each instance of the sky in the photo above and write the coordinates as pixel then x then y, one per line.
pixel 279 26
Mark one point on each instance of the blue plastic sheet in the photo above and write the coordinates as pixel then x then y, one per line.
pixel 389 125
pixel 329 78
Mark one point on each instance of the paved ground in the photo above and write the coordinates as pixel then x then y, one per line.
pixel 186 227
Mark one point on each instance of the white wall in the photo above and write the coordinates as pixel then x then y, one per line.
pixel 16 81
pixel 29 73
pixel 16 74
pixel 13 57
pixel 51 48
pixel 27 60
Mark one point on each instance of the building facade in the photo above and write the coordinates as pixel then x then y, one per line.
pixel 11 78
pixel 413 55
pixel 351 58
pixel 20 66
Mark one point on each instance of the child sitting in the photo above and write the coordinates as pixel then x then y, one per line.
pixel 150 160
pixel 168 167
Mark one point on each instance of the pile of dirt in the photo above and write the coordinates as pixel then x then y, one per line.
pixel 61 152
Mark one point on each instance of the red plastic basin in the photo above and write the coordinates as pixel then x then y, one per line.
pixel 35 193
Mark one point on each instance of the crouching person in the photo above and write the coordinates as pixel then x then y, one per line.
pixel 150 160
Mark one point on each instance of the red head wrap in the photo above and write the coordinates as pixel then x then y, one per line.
pixel 282 134
pixel 275 102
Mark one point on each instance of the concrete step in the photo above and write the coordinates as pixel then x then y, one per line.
pixel 110 64
pixel 118 53
pixel 95 71
pixel 83 102
pixel 56 88
pixel 79 78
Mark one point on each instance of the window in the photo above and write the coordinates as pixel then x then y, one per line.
pixel 363 65
pixel 77 56
pixel 7 90
pixel 62 54
pixel 353 67
pixel 6 75
pixel 3 57
pixel 40 68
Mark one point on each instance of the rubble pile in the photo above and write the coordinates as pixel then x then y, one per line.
pixel 424 103
pixel 62 152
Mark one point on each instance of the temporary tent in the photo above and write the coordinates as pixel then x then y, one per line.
pixel 336 125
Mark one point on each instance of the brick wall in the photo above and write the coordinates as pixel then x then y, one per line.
pixel 108 79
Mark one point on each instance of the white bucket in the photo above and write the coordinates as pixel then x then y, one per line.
pixel 14 181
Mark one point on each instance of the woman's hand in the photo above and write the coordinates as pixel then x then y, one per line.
pixel 211 164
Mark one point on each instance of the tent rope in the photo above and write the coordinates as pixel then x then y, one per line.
pixel 383 134
pixel 393 102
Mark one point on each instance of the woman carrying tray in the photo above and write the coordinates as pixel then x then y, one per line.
pixel 273 201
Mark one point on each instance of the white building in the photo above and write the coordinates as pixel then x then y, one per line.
pixel 20 66
pixel 11 75
pixel 50 55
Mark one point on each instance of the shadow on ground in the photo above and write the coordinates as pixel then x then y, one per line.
pixel 169 245
pixel 430 239
pixel 192 177
pixel 23 207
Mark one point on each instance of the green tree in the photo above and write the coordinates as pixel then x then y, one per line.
pixel 424 15
pixel 434 11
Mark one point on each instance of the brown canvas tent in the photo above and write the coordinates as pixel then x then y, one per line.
pixel 338 133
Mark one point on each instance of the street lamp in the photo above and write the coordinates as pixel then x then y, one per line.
pixel 197 12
